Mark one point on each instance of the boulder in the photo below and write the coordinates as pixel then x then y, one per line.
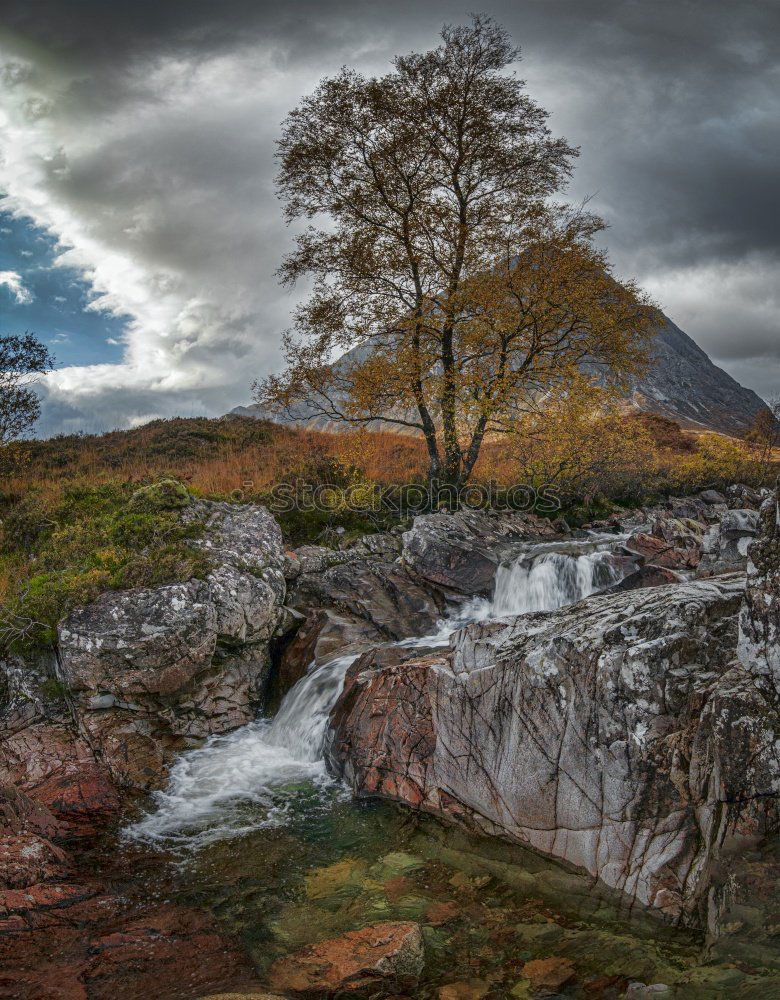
pixel 653 551
pixel 355 605
pixel 667 540
pixel 712 497
pixel 390 954
pixel 460 552
pixel 153 670
pixel 619 735
pixel 725 544
pixel 759 623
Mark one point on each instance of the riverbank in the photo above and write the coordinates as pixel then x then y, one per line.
pixel 250 865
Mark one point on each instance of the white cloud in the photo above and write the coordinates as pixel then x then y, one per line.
pixel 183 159
pixel 731 310
pixel 12 280
pixel 152 163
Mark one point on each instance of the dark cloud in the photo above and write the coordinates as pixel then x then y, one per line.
pixel 161 118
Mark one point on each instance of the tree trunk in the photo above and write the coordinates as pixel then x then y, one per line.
pixel 452 453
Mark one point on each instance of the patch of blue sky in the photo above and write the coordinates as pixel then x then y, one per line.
pixel 51 301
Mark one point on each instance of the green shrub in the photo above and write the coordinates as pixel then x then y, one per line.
pixel 168 494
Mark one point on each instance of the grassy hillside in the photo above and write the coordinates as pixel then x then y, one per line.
pixel 82 514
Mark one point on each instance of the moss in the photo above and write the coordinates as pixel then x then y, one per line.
pixel 304 527
pixel 53 689
pixel 91 539
pixel 167 494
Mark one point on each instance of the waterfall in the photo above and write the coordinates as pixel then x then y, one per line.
pixel 248 779
pixel 550 580
pixel 240 781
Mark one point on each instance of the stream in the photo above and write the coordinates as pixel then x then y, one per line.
pixel 253 829
pixel 210 788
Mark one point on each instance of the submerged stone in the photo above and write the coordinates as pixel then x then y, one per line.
pixel 354 963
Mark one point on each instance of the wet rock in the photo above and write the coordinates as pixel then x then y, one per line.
pixel 461 552
pixel 355 605
pixel 759 624
pixel 388 752
pixel 59 770
pixel 19 813
pixel 169 951
pixel 655 551
pixel 26 859
pixel 549 973
pixel 619 735
pixel 32 868
pixel 388 953
pixel 646 576
pixel 725 545
pixel 66 936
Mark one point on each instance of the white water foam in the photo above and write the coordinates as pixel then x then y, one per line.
pixel 551 580
pixel 249 779
pixel 209 788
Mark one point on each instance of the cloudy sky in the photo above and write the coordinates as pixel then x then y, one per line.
pixel 139 231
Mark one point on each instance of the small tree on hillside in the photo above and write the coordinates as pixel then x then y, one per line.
pixel 763 438
pixel 469 296
pixel 23 360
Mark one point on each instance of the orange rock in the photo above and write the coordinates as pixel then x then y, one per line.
pixel 549 973
pixel 355 962
pixel 475 989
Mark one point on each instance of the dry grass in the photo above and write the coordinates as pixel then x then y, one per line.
pixel 217 457
pixel 212 457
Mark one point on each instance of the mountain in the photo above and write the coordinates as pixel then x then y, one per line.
pixel 681 383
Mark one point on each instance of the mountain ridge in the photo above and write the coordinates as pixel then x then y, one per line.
pixel 681 383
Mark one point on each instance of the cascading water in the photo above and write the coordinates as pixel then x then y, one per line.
pixel 248 779
pixel 210 788
pixel 551 580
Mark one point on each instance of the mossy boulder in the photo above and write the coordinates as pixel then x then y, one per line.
pixel 167 494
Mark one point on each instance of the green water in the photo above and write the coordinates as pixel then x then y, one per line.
pixel 486 907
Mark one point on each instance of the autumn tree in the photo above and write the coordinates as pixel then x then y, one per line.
pixel 450 292
pixel 585 449
pixel 23 360
pixel 763 438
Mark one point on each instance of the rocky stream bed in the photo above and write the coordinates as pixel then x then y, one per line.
pixel 506 760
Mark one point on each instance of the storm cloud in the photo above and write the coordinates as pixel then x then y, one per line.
pixel 141 136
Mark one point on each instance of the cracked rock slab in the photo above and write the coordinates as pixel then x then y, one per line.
pixel 620 735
